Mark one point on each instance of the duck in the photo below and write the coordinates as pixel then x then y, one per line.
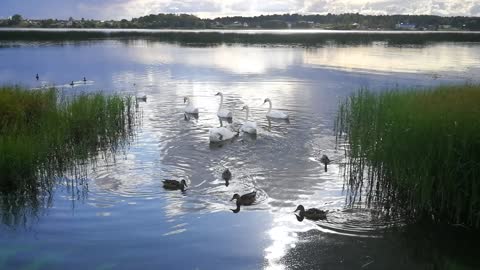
pixel 311 213
pixel 189 108
pixel 142 98
pixel 325 161
pixel 226 175
pixel 175 184
pixel 248 126
pixel 245 199
pixel 220 134
pixel 274 114
pixel 223 113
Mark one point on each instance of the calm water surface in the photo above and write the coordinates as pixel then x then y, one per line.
pixel 124 219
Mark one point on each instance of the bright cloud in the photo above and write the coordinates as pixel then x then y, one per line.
pixel 117 9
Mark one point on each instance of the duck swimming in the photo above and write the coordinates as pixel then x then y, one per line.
pixel 142 98
pixel 174 184
pixel 226 175
pixel 311 213
pixel 245 199
pixel 325 161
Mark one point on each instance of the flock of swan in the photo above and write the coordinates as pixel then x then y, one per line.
pixel 224 133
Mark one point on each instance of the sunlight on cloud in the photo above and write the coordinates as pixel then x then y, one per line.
pixel 439 7
pixel 216 8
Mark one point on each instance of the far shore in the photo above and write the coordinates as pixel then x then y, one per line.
pixel 235 30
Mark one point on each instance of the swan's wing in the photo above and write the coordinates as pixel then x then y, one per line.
pixel 224 113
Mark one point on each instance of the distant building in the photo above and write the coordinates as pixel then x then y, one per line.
pixel 245 24
pixel 35 22
pixel 405 26
pixel 235 25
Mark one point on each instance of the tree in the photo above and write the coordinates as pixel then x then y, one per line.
pixel 16 19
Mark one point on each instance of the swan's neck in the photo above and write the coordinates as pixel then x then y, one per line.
pixel 221 102
pixel 269 106
pixel 247 112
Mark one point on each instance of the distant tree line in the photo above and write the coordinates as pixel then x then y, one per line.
pixel 354 20
pixel 328 21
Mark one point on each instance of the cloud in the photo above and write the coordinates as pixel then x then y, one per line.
pixel 117 9
pixel 432 7
pixel 212 8
pixel 475 9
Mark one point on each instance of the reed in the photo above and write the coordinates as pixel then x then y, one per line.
pixel 414 151
pixel 45 135
pixel 213 38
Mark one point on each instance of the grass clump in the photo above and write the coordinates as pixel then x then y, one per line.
pixel 415 151
pixel 43 134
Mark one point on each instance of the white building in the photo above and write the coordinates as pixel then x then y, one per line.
pixel 405 26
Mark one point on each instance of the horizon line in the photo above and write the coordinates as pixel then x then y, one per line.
pixel 251 16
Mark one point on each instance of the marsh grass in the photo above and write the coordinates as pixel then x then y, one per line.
pixel 216 38
pixel 415 151
pixel 45 135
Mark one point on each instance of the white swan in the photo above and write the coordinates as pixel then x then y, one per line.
pixel 274 114
pixel 248 126
pixel 190 108
pixel 223 113
pixel 221 134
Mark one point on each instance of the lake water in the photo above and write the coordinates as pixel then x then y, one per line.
pixel 120 217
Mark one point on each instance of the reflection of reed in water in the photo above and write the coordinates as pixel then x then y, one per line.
pixel 414 153
pixel 48 137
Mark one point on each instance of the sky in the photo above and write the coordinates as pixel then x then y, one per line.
pixel 127 9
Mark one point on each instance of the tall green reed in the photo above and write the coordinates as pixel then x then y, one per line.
pixel 416 152
pixel 45 135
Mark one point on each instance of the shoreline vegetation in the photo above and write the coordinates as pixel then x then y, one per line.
pixel 347 21
pixel 44 135
pixel 215 37
pixel 414 152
